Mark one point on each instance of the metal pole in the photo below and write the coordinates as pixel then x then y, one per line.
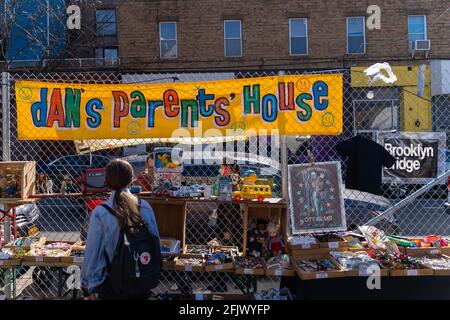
pixel 409 199
pixel 6 144
pixel 284 167
pixel 6 148
pixel 284 180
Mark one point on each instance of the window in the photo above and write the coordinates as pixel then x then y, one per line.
pixel 106 56
pixel 380 112
pixel 417 29
pixel 356 35
pixel 298 37
pixel 106 53
pixel 105 22
pixel 168 40
pixel 232 38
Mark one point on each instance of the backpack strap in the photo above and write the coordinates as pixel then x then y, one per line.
pixel 112 212
pixel 109 209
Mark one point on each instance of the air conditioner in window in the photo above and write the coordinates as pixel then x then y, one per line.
pixel 421 45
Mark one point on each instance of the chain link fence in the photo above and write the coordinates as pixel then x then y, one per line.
pixel 407 105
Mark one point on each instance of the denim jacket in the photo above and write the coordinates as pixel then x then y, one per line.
pixel 103 236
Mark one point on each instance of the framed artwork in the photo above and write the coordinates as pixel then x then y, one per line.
pixel 316 200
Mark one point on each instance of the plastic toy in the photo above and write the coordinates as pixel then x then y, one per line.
pixel 314 265
pixel 275 245
pixel 165 161
pixel 207 191
pixel 13 188
pixel 66 184
pixel 3 180
pixel 225 190
pixel 49 186
pixel 236 181
pixel 251 192
pixel 250 262
pixel 135 189
pixel 281 261
pixel 217 258
pixel 250 177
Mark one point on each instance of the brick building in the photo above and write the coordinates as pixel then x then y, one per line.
pixel 275 33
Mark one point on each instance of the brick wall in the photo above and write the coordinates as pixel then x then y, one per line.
pixel 265 30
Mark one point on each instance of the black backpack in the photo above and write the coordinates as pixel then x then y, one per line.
pixel 136 264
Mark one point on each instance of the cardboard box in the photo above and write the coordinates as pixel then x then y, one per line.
pixel 359 273
pixel 224 267
pixel 187 251
pixel 178 266
pixel 306 275
pixel 173 246
pixel 10 263
pixel 334 245
pixel 437 272
pixel 168 264
pixel 281 272
pixel 303 247
pixel 73 260
pixel 411 272
pixel 315 251
pixel 250 271
pixel 41 259
pixel 427 251
pixel 25 173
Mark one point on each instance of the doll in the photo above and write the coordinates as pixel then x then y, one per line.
pixel 262 228
pixel 225 170
pixel 13 188
pixel 250 177
pixel 255 247
pixel 275 245
pixel 49 186
pixel 66 184
pixel 235 181
pixel 3 181
pixel 227 239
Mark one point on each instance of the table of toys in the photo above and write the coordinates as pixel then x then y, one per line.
pixel 264 250
pixel 352 260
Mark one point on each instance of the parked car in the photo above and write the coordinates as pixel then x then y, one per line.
pixel 198 172
pixel 27 217
pixel 71 166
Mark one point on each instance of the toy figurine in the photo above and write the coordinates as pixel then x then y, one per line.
pixel 226 169
pixel 227 239
pixel 262 228
pixel 207 191
pixel 250 177
pixel 49 186
pixel 66 184
pixel 3 181
pixel 41 183
pixel 235 181
pixel 255 247
pixel 275 245
pixel 13 188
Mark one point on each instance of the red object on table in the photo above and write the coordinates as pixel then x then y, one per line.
pixel 93 203
pixel 11 214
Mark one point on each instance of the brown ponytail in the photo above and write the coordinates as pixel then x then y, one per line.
pixel 119 175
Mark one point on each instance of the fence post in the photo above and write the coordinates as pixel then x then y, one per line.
pixel 284 178
pixel 6 148
pixel 6 137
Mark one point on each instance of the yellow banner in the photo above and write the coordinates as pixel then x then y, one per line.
pixel 287 105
